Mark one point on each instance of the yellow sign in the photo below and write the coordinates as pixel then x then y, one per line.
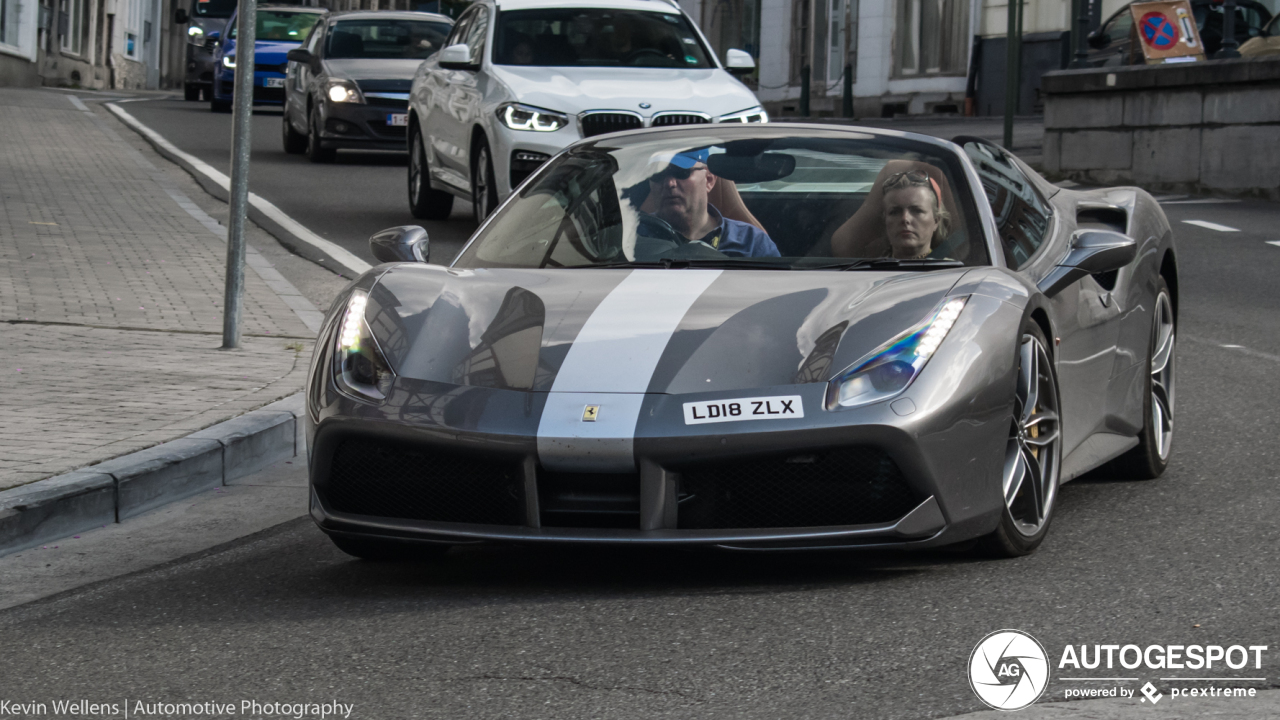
pixel 589 414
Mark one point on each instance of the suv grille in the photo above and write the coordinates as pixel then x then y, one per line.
pixel 845 486
pixel 415 482
pixel 677 119
pixel 601 123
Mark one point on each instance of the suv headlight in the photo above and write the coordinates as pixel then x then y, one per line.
pixel 195 34
pixel 526 117
pixel 892 367
pixel 750 115
pixel 359 368
pixel 228 62
pixel 344 91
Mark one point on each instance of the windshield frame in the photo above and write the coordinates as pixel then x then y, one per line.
pixel 968 192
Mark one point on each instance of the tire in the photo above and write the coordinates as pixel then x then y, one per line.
pixel 379 550
pixel 1033 454
pixel 219 106
pixel 1149 459
pixel 295 143
pixel 206 92
pixel 316 152
pixel 425 202
pixel 190 92
pixel 484 194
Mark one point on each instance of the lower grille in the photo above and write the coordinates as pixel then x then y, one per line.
pixel 269 95
pixel 589 500
pixel 679 119
pixel 398 132
pixel 412 482
pixel 601 123
pixel 847 486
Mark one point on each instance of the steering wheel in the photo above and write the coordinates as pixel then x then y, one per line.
pixel 637 54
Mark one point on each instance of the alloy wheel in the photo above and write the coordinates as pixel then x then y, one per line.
pixel 415 168
pixel 1031 457
pixel 1162 376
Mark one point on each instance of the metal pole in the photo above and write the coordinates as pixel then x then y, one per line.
pixel 246 38
pixel 804 91
pixel 846 101
pixel 1082 35
pixel 1229 44
pixel 1013 48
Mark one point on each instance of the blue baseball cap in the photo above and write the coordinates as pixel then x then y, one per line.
pixel 689 158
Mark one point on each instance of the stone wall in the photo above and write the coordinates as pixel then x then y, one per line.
pixel 1203 127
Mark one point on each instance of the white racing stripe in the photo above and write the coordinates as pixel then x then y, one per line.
pixel 610 365
pixel 1211 226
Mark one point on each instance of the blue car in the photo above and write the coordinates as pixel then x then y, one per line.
pixel 280 28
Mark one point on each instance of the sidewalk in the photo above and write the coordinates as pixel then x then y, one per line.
pixel 111 294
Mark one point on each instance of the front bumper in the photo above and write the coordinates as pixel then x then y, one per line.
pixel 200 65
pixel 363 126
pixel 224 86
pixel 937 480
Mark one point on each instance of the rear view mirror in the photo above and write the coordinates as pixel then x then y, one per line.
pixel 738 62
pixel 764 167
pixel 456 57
pixel 301 55
pixel 1099 39
pixel 1093 252
pixel 180 16
pixel 407 243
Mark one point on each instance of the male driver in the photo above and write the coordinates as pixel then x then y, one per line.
pixel 680 192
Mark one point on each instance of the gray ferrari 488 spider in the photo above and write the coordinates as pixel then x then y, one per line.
pixel 750 336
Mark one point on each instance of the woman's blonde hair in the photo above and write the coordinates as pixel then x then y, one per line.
pixel 915 178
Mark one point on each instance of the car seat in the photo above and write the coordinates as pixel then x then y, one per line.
pixel 863 235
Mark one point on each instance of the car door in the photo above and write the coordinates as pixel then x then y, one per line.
pixel 297 82
pixel 463 96
pixel 1087 318
pixel 431 98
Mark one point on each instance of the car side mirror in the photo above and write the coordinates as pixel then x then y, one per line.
pixel 180 16
pixel 738 62
pixel 407 243
pixel 1099 39
pixel 301 55
pixel 456 57
pixel 1093 252
pixel 214 36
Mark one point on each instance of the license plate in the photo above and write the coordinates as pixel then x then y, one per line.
pixel 273 82
pixel 398 120
pixel 777 407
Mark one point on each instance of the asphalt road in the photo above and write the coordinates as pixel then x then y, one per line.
pixel 509 632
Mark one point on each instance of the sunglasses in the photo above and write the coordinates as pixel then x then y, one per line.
pixel 673 171
pixel 915 177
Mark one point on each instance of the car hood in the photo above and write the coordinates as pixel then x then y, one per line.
pixel 265 52
pixel 373 69
pixel 693 331
pixel 575 90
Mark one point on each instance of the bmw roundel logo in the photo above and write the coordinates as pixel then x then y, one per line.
pixel 645 106
pixel 1009 670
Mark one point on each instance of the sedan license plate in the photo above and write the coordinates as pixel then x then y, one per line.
pixel 398 120
pixel 273 82
pixel 777 407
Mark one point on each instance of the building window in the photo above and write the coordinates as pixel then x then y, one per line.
pixel 732 24
pixel 73 37
pixel 801 12
pixel 931 38
pixel 131 45
pixel 837 41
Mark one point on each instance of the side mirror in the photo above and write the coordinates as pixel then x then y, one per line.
pixel 407 243
pixel 180 16
pixel 738 62
pixel 456 57
pixel 1098 39
pixel 1093 252
pixel 214 36
pixel 301 55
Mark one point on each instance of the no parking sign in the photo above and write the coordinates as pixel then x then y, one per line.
pixel 1166 31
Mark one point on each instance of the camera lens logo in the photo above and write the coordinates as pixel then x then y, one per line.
pixel 1008 670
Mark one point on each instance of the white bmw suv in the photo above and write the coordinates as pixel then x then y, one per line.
pixel 518 80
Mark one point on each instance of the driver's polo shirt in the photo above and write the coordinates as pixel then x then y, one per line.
pixel 739 239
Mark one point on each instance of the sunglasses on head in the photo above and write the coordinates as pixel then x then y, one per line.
pixel 915 177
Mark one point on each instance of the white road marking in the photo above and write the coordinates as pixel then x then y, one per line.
pixel 1274 242
pixel 1211 226
pixel 339 254
pixel 1207 201
pixel 1231 346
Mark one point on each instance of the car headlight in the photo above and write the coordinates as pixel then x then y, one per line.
pixel 750 115
pixel 525 117
pixel 195 34
pixel 228 62
pixel 344 92
pixel 893 366
pixel 360 369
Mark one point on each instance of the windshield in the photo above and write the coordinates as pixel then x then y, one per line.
pixel 748 198
pixel 213 8
pixel 562 37
pixel 284 25
pixel 414 39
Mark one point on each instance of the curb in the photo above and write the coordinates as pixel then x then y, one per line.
pixel 122 488
pixel 261 211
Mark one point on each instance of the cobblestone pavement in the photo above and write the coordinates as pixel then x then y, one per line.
pixel 111 287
